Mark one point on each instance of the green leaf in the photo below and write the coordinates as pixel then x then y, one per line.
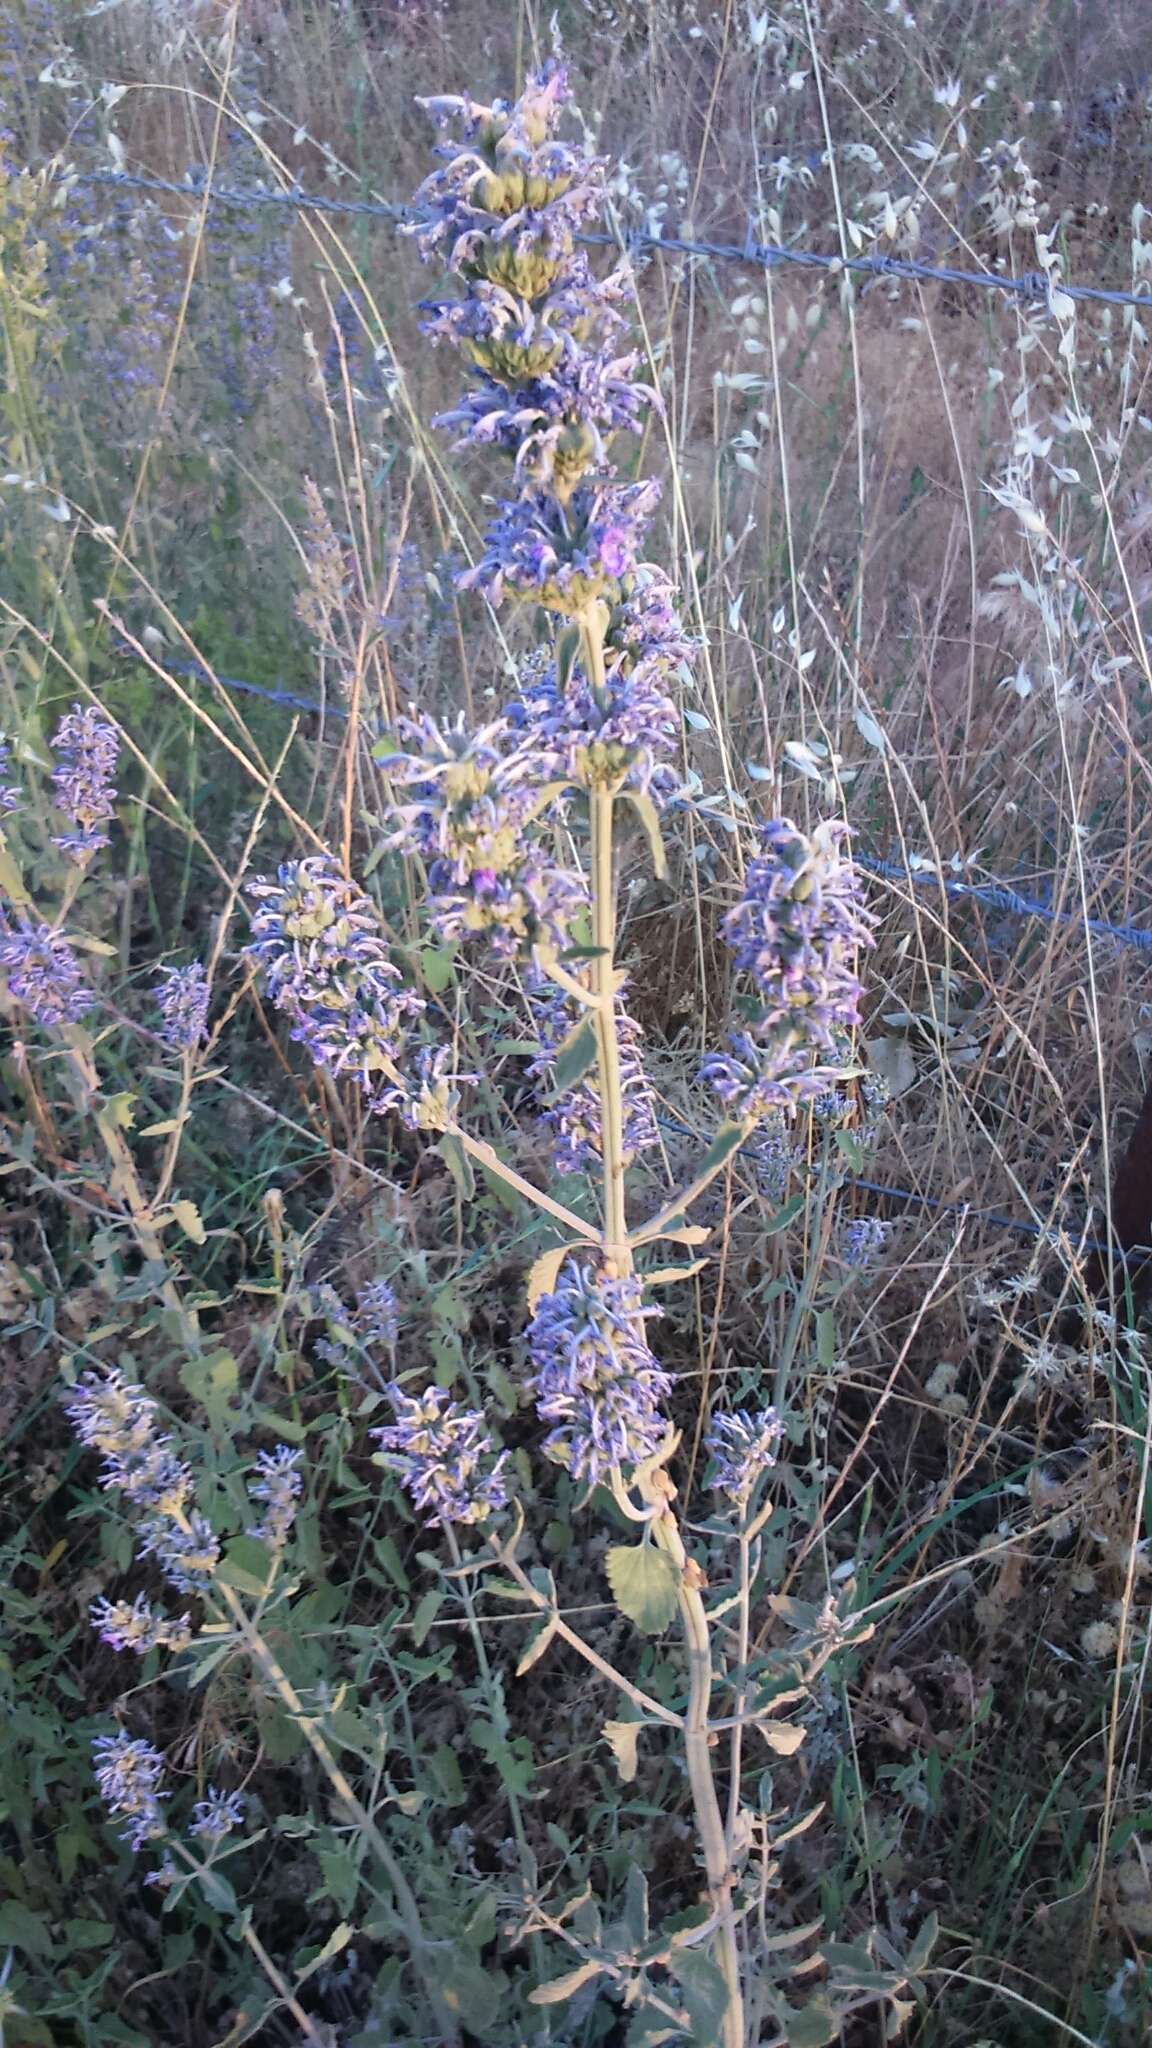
pixel 21 1928
pixel 924 1944
pixel 728 1139
pixel 624 1737
pixel 636 1904
pixel 704 1992
pixel 649 817
pixel 576 1055
pixel 437 967
pixel 246 1566
pixel 650 2029
pixel 544 1273
pixel 784 1216
pixel 476 1994
pixel 564 1987
pixel 335 1945
pixel 645 1584
pixel 445 1768
pixel 458 1163
pixel 426 1611
pixel 814 2026
pixel 213 1380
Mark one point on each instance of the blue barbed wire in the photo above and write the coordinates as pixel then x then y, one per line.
pixel 1032 285
pixel 994 895
pixel 1000 896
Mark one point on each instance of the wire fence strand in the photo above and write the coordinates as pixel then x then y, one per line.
pixel 994 895
pixel 1033 285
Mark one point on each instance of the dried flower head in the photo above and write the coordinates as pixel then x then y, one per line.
pixel 445 1457
pixel 594 1376
pixel 87 749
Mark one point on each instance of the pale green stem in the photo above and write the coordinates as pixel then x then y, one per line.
pixel 736 1753
pixel 406 1906
pixel 618 1251
pixel 602 805
pixel 698 1757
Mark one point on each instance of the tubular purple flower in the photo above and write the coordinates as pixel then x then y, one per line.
pixel 43 973
pixel 87 750
pixel 216 1816
pixel 277 1483
pixel 476 798
pixel 187 1551
pixel 594 1376
pixel 316 937
pixel 377 1319
pixel 797 930
pixel 182 999
pixel 129 1775
pixel 136 1625
pixel 626 731
pixel 757 1078
pixel 565 555
pixel 863 1239
pixel 445 1457
pixel 742 1447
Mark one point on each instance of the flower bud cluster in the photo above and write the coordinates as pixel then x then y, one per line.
pixel 182 999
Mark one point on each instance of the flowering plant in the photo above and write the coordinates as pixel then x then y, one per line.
pixel 516 828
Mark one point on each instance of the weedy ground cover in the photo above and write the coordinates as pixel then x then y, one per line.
pixel 564 1476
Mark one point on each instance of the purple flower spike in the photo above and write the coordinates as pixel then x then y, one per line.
pixel 43 973
pixel 742 1446
pixel 129 1774
pixel 277 1483
pixel 594 1375
pixel 182 999
pixel 87 749
pixel 445 1457
pixel 798 928
pixel 796 932
pixel 216 1816
pixel 316 937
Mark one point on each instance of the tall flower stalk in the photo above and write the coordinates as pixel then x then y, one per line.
pixel 553 388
